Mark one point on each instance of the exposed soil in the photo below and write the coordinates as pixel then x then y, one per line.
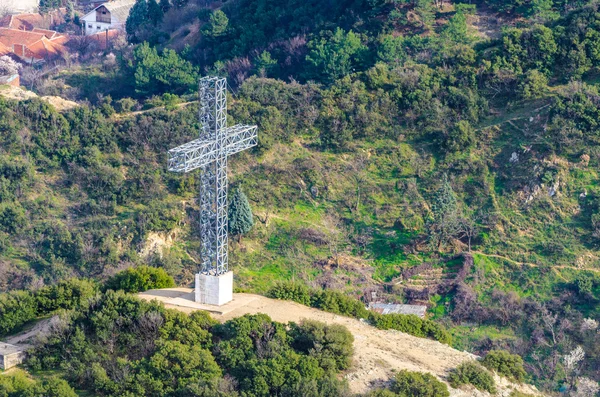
pixel 21 94
pixel 377 353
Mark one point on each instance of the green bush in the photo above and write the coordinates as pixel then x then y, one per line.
pixel 140 279
pixel 66 294
pixel 337 302
pixel 287 290
pixel 18 383
pixel 16 309
pixel 412 325
pixel 471 373
pixel 505 364
pixel 418 384
pixel 331 345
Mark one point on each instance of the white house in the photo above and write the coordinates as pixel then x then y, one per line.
pixel 110 15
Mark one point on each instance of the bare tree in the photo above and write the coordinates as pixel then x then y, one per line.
pixel 335 236
pixel 8 66
pixel 586 387
pixel 572 363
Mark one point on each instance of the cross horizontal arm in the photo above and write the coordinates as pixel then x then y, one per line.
pixel 192 155
pixel 240 138
pixel 200 152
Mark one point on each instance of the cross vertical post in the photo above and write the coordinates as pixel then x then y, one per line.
pixel 209 153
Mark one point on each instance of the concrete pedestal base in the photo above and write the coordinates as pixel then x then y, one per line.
pixel 214 290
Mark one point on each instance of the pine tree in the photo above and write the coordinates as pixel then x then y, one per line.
pixel 444 223
pixel 241 219
pixel 155 12
pixel 165 5
pixel 137 17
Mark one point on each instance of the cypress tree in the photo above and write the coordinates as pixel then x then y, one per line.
pixel 241 219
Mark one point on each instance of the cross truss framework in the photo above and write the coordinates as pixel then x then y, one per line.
pixel 209 153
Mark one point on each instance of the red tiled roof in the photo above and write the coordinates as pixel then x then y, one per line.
pixel 4 50
pixel 24 21
pixel 48 33
pixel 40 44
pixel 44 49
pixel 32 21
pixel 9 37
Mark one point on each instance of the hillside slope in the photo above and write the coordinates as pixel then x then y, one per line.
pixel 378 354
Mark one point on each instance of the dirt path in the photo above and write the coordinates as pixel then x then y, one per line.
pixel 28 336
pixel 554 267
pixel 377 353
pixel 120 116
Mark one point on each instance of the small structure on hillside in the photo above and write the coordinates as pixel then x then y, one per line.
pixel 12 80
pixel 110 15
pixel 11 355
pixel 395 308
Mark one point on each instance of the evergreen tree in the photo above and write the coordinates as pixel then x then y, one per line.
pixel 241 219
pixel 155 12
pixel 217 24
pixel 137 17
pixel 443 225
pixel 165 5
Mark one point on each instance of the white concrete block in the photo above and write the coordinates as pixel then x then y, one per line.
pixel 214 290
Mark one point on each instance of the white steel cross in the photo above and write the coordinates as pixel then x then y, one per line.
pixel 210 152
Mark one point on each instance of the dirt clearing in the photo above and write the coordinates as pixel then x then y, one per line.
pixel 377 353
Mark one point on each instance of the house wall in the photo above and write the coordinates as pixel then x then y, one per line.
pixel 92 26
pixel 10 360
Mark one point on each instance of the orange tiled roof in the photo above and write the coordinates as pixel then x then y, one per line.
pixel 48 33
pixel 39 44
pixel 44 49
pixel 4 50
pixel 9 37
pixel 23 21
pixel 32 21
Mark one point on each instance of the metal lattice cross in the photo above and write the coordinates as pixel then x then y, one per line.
pixel 210 152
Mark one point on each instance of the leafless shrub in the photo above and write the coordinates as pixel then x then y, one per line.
pixel 312 236
pixel 8 66
pixel 238 69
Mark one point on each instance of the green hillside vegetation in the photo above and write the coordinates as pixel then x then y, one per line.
pixel 405 148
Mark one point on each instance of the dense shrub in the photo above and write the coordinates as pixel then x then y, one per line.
pixel 16 309
pixel 140 279
pixel 287 290
pixel 331 345
pixel 418 384
pixel 471 373
pixel 412 325
pixel 66 294
pixel 18 383
pixel 505 364
pixel 337 302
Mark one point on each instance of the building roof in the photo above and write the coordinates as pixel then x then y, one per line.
pixel 393 308
pixel 45 48
pixel 10 37
pixel 23 21
pixel 33 20
pixel 118 9
pixel 32 44
pixel 48 33
pixel 6 349
pixel 4 50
